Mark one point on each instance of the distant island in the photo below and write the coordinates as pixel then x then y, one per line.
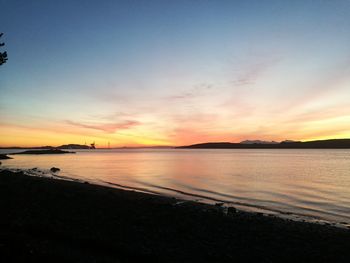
pixel 319 144
pixel 65 146
pixel 45 151
pixel 76 146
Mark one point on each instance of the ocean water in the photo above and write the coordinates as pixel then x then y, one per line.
pixel 307 184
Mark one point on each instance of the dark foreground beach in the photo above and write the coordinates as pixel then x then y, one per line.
pixel 48 220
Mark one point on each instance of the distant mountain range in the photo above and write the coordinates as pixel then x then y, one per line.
pixel 320 144
pixel 258 142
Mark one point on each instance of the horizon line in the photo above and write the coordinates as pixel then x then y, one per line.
pixel 171 146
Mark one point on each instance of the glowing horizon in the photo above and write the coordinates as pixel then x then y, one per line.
pixel 174 74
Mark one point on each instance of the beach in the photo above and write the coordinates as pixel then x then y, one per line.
pixel 50 220
pixel 306 184
pixel 175 131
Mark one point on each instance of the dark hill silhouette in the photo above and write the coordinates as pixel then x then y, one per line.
pixel 49 151
pixel 73 146
pixel 65 146
pixel 320 144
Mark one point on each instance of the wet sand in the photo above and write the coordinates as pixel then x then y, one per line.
pixel 49 220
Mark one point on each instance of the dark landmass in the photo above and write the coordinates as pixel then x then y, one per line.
pixel 51 151
pixel 321 144
pixel 47 220
pixel 247 144
pixel 84 147
pixel 257 142
pixel 73 146
pixel 4 157
pixel 141 147
pixel 19 148
pixel 65 146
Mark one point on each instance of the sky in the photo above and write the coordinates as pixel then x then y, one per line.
pixel 138 73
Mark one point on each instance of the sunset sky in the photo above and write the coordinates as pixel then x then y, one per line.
pixel 173 72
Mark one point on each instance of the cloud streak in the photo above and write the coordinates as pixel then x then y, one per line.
pixel 248 73
pixel 196 91
pixel 106 127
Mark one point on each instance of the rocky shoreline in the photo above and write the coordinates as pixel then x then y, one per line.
pixel 4 157
pixel 52 220
pixel 49 151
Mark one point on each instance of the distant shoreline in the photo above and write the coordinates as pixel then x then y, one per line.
pixel 82 148
pixel 320 144
pixel 317 144
pixel 40 152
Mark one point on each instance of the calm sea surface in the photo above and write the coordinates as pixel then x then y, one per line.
pixel 306 184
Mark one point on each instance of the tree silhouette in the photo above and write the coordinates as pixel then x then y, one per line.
pixel 3 55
